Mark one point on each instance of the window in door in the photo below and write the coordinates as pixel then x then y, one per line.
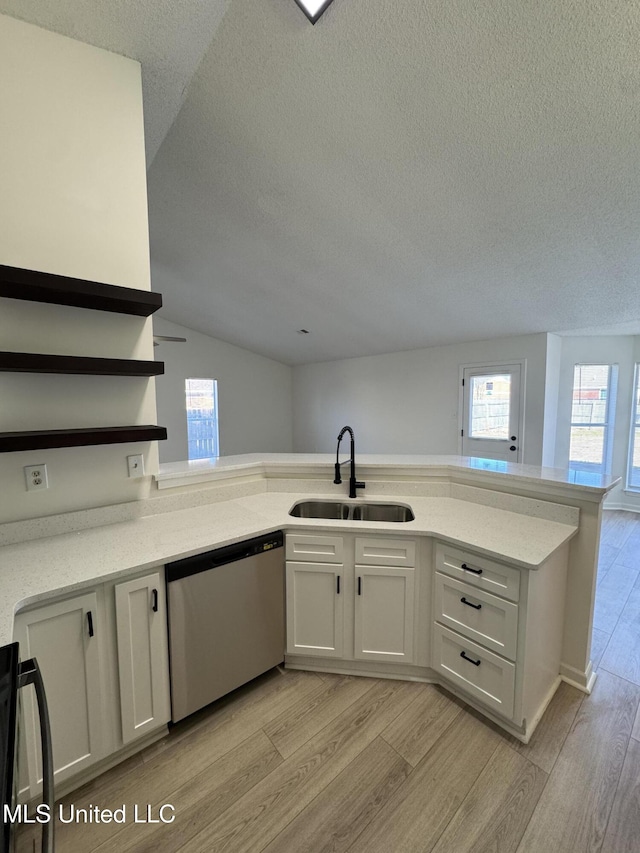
pixel 633 467
pixel 492 411
pixel 202 418
pixel 592 415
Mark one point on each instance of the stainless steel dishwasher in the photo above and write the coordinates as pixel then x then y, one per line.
pixel 226 620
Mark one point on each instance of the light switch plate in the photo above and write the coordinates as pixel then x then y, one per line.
pixel 135 464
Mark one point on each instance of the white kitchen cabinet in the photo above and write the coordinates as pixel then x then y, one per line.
pixel 104 660
pixel 340 608
pixel 315 608
pixel 141 632
pixel 384 606
pixel 68 639
pixel 497 632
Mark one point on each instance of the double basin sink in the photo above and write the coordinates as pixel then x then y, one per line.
pixel 342 511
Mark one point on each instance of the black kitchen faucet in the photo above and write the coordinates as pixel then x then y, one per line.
pixel 353 483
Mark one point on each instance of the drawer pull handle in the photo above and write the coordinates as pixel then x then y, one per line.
pixel 475 606
pixel 154 597
pixel 471 660
pixel 359 586
pixel 469 569
pixel 90 622
pixel 338 585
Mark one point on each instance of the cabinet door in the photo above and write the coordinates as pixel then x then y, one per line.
pixel 141 630
pixel 66 638
pixel 315 609
pixel 384 614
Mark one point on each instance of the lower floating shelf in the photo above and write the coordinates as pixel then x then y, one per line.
pixel 43 439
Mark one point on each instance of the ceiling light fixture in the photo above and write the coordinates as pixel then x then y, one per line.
pixel 313 9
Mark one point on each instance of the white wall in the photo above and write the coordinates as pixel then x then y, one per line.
pixel 73 202
pixel 254 394
pixel 551 398
pixel 622 350
pixel 407 402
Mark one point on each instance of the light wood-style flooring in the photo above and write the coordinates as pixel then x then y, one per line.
pixel 298 762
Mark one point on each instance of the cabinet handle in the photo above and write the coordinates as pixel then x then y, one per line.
pixel 475 606
pixel 90 622
pixel 471 660
pixel 154 598
pixel 359 586
pixel 468 569
pixel 338 584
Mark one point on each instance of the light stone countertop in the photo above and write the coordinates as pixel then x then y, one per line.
pixel 202 470
pixel 57 565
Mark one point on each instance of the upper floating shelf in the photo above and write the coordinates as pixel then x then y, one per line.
pixel 16 283
pixel 29 362
pixel 45 439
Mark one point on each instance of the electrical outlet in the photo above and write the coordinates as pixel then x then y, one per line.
pixel 135 464
pixel 36 477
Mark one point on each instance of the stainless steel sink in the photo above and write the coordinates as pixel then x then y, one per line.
pixel 320 509
pixel 340 511
pixel 382 512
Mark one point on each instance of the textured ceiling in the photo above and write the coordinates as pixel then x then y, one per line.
pixel 403 174
pixel 168 37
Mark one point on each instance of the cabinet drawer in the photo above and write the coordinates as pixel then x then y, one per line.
pixel 479 571
pixel 307 548
pixel 477 614
pixel 487 677
pixel 386 552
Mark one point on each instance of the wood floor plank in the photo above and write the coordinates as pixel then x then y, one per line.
pixel 189 754
pixel 289 731
pixel 254 820
pixel 599 640
pixel 547 740
pixel 339 814
pixel 572 813
pixel 629 554
pixel 611 596
pixel 622 655
pixel 623 829
pixel 606 558
pixel 617 526
pixel 200 800
pixel 496 810
pixel 246 709
pixel 414 732
pixel 416 816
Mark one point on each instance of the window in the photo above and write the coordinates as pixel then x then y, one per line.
pixel 633 468
pixel 592 414
pixel 202 418
pixel 490 404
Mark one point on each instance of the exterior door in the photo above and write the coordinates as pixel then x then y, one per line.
pixel 492 411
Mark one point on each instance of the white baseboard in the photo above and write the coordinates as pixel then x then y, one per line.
pixel 584 681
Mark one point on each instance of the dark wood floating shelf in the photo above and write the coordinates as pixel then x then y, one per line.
pixel 16 283
pixel 43 439
pixel 28 362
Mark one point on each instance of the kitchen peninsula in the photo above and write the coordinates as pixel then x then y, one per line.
pixel 512 519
